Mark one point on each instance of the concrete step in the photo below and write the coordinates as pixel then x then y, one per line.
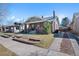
pixel 25 41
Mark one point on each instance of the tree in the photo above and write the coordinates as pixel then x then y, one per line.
pixel 3 12
pixel 65 22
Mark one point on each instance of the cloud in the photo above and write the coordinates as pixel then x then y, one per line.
pixel 13 17
pixel 17 20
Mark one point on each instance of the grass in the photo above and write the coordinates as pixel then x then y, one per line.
pixel 1 33
pixel 6 52
pixel 46 40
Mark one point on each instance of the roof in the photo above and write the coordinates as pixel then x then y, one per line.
pixel 49 18
pixel 36 19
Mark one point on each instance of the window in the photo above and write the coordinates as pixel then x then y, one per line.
pixel 17 27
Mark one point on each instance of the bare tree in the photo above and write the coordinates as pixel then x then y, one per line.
pixel 3 12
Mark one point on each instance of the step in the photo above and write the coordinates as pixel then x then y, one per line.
pixel 25 41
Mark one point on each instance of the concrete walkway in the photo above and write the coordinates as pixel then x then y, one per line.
pixel 22 49
pixel 66 47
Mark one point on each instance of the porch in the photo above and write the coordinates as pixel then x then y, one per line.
pixel 35 28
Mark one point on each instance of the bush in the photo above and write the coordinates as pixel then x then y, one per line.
pixel 47 27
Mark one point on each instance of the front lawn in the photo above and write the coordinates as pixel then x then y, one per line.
pixel 46 40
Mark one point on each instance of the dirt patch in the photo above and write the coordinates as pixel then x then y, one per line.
pixel 6 52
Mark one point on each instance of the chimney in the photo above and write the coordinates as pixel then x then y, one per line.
pixel 42 16
pixel 53 14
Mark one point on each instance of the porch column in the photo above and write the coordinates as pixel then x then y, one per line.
pixel 25 29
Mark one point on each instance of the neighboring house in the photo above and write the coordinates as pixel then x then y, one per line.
pixel 37 22
pixel 3 28
pixel 8 28
pixel 75 23
pixel 15 28
pixel 0 28
pixel 18 27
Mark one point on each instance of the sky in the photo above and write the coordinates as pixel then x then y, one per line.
pixel 19 12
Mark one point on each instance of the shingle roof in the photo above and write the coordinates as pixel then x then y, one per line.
pixel 39 19
pixel 34 18
pixel 49 18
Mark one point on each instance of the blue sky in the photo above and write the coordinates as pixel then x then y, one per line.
pixel 20 11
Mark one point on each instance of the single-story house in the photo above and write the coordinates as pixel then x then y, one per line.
pixel 37 22
pixel 15 28
pixel 0 28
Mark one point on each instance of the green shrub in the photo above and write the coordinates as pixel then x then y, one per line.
pixel 47 27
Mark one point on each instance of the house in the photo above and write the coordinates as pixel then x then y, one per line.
pixel 75 23
pixel 6 28
pixel 18 27
pixel 0 28
pixel 15 28
pixel 35 22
